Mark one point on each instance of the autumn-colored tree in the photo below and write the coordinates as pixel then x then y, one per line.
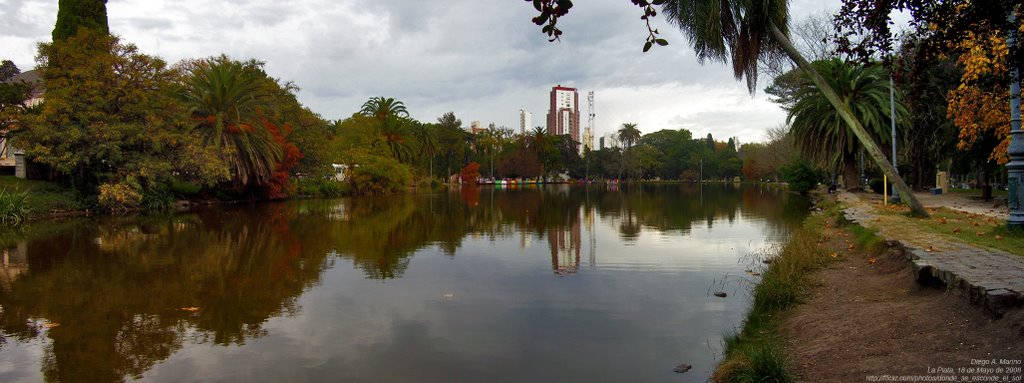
pixel 470 173
pixel 751 170
pixel 978 105
pixel 279 186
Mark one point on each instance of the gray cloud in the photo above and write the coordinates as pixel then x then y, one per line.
pixel 481 59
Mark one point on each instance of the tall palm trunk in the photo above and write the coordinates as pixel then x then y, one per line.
pixel 854 124
pixel 851 177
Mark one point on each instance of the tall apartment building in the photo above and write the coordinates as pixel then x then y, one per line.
pixel 525 121
pixel 564 112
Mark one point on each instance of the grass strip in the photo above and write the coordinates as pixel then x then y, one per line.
pixel 755 353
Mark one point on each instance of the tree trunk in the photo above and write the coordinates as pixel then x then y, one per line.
pixel 851 175
pixel 854 124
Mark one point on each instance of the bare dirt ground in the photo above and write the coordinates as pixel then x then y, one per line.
pixel 867 319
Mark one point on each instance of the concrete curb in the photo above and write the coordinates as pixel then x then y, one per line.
pixel 992 279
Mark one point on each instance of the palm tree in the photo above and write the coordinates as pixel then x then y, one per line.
pixel 395 133
pixel 820 131
pixel 629 135
pixel 426 136
pixel 742 32
pixel 487 142
pixel 543 145
pixel 226 97
pixel 382 108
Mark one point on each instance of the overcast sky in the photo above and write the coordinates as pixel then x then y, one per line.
pixel 482 59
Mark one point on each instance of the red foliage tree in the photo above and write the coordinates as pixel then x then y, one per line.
pixel 278 186
pixel 751 170
pixel 470 173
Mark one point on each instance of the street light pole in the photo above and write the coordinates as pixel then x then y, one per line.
pixel 892 119
pixel 1015 168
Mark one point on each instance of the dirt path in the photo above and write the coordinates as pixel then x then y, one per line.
pixel 995 208
pixel 867 318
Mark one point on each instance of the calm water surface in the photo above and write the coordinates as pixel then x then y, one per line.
pixel 479 285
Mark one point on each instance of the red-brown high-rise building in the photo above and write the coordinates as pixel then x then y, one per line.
pixel 564 112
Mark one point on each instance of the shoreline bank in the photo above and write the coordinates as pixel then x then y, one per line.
pixel 863 312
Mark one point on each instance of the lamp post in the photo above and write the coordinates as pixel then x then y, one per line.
pixel 892 119
pixel 1015 168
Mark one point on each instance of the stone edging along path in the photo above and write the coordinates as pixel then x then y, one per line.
pixel 991 278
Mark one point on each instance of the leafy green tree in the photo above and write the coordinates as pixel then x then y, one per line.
pixel 8 70
pixel 800 176
pixel 674 147
pixel 13 95
pixel 930 136
pixel 111 121
pixel 357 136
pixel 228 98
pixel 379 175
pixel 75 14
pixel 453 140
pixel 819 129
pixel 381 108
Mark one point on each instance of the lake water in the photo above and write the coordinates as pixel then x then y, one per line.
pixel 535 284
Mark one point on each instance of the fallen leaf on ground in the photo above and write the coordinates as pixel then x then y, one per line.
pixel 835 255
pixel 192 309
pixel 929 249
pixel 942 220
pixel 849 247
pixel 871 261
pixel 999 237
pixel 51 324
pixel 981 233
pixel 956 230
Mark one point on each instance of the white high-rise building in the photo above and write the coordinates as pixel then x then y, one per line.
pixel 525 121
pixel 609 140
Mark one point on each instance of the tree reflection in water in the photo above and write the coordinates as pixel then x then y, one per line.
pixel 115 296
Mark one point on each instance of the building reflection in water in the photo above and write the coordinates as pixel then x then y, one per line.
pixel 564 243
